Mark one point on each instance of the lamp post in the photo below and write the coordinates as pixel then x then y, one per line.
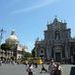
pixel 1 35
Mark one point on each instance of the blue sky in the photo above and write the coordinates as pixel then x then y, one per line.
pixel 29 17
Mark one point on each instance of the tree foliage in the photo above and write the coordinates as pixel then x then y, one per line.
pixel 26 55
pixel 5 46
pixel 34 52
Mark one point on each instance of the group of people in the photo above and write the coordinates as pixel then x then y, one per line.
pixel 54 68
pixel 7 62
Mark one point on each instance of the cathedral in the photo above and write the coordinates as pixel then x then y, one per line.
pixel 57 43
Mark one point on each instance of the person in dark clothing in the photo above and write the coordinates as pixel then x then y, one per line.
pixel 30 69
pixel 36 65
pixel 72 72
pixel 0 63
pixel 57 71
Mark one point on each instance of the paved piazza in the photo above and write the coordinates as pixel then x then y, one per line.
pixel 8 69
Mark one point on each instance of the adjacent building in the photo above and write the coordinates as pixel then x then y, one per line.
pixel 57 43
pixel 16 50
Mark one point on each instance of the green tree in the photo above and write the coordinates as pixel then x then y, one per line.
pixel 26 55
pixel 5 46
pixel 34 52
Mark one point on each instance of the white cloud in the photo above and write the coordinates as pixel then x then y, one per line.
pixel 44 3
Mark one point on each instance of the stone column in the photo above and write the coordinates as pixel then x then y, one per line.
pixel 47 53
pixel 66 53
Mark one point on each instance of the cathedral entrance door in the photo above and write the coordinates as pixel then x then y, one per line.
pixel 58 57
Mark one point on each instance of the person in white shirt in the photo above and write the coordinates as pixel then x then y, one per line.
pixel 30 69
pixel 51 67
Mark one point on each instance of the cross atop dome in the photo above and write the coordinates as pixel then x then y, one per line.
pixel 13 32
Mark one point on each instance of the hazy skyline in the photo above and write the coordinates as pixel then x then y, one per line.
pixel 29 17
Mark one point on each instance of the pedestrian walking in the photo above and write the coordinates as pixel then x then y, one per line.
pixel 51 67
pixel 0 62
pixel 30 69
pixel 35 65
pixel 57 70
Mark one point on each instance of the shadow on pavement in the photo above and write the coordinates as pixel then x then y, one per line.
pixel 72 72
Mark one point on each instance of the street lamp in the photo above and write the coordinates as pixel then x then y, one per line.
pixel 1 35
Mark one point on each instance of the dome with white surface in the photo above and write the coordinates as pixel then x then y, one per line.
pixel 12 39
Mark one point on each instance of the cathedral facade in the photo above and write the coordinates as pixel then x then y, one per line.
pixel 57 43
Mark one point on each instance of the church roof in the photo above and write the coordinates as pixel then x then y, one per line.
pixel 55 19
pixel 12 37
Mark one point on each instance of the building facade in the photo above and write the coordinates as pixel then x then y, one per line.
pixel 57 43
pixel 16 49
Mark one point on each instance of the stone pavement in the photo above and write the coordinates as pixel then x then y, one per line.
pixel 8 69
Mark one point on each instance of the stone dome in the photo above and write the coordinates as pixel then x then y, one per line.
pixel 12 39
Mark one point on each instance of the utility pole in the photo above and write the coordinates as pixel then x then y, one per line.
pixel 1 35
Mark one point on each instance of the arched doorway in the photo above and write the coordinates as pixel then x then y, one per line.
pixel 58 56
pixel 57 53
